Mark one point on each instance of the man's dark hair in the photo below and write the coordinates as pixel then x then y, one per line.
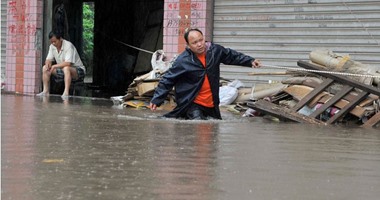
pixel 55 33
pixel 186 35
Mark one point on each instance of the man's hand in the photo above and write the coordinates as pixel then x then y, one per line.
pixel 53 67
pixel 48 66
pixel 256 63
pixel 153 107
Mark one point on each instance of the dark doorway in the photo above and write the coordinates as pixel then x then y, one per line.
pixel 116 23
pixel 124 22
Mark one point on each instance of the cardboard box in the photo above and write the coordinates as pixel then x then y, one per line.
pixel 146 88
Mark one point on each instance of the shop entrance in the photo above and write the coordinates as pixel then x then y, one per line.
pixel 100 31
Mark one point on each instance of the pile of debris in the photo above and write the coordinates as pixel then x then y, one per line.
pixel 141 90
pixel 306 96
pixel 318 97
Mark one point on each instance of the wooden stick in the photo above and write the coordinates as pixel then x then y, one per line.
pixel 267 73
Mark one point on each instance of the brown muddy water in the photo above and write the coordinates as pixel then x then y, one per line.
pixel 86 148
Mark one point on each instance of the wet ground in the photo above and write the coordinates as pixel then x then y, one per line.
pixel 86 148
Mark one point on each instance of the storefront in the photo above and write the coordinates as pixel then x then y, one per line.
pixel 148 24
pixel 279 32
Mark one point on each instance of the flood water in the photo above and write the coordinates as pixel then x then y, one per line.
pixel 87 148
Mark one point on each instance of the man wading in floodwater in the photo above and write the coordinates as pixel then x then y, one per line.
pixel 195 76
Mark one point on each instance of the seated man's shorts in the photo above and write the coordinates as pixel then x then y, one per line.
pixel 59 77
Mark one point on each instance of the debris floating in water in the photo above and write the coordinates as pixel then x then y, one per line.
pixel 52 160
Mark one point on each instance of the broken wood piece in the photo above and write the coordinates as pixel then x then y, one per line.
pixel 282 113
pixel 298 92
pixel 356 111
pixel 346 89
pixel 312 94
pixel 267 73
pixel 347 108
pixel 372 121
pixel 307 81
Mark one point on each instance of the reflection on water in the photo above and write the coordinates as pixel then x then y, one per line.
pixel 83 148
pixel 17 157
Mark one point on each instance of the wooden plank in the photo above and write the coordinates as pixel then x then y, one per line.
pixel 342 79
pixel 361 96
pixel 372 121
pixel 281 112
pixel 312 94
pixel 346 89
pixel 358 111
pixel 267 73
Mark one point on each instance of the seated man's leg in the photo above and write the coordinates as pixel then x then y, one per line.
pixel 45 80
pixel 69 74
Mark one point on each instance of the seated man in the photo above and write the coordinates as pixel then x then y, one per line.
pixel 69 65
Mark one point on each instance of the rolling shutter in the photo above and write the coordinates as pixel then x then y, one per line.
pixel 281 32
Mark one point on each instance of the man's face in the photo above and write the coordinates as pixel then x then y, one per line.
pixel 56 42
pixel 196 42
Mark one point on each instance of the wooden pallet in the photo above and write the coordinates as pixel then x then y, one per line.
pixel 284 114
pixel 349 85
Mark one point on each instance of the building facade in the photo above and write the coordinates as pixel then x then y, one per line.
pixel 279 32
pixel 24 34
pixel 22 46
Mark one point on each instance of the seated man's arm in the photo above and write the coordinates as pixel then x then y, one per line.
pixel 62 65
